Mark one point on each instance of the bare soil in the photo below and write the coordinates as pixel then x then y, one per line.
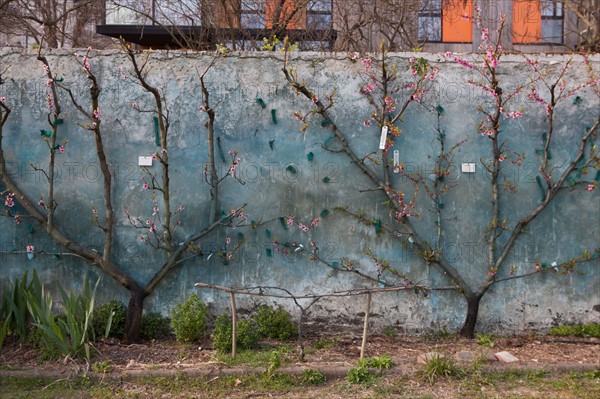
pixel 343 350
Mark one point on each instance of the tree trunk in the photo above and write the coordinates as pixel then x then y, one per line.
pixel 133 318
pixel 468 328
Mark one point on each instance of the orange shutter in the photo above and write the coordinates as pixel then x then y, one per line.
pixel 527 21
pixel 457 21
pixel 298 21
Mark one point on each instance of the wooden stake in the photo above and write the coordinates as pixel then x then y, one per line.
pixel 366 326
pixel 233 323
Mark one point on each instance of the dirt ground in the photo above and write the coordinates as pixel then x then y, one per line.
pixel 325 351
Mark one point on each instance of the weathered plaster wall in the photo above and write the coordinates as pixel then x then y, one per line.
pixel 564 230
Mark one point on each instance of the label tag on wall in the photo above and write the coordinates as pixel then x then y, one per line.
pixel 384 132
pixel 396 161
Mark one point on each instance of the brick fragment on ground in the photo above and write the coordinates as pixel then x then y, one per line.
pixel 464 356
pixel 506 357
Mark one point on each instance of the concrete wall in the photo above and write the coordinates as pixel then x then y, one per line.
pixel 568 227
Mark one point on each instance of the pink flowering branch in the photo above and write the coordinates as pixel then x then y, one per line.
pixel 421 246
pixel 54 114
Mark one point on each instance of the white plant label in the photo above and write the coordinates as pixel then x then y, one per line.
pixel 384 132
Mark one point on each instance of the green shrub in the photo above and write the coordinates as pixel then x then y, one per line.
pixel 377 362
pixel 102 315
pixel 246 335
pixel 360 375
pixel 274 323
pixel 155 326
pixel 577 330
pixel 441 367
pixel 188 319
pixel 312 377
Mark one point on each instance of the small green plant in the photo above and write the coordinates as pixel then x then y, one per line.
pixel 155 326
pixel 274 363
pixel 577 330
pixel 325 343
pixel 486 340
pixel 312 377
pixel 377 362
pixel 274 323
pixel 14 305
pixel 390 332
pixel 270 45
pixel 360 375
pixel 246 335
pixel 71 332
pixel 101 367
pixel 108 320
pixel 439 366
pixel 188 319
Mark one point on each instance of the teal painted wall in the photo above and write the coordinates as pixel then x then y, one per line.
pixel 568 227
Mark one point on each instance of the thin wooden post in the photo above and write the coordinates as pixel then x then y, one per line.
pixel 366 326
pixel 233 325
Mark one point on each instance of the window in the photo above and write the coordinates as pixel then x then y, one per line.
pixel 537 21
pixel 128 12
pixel 430 21
pixel 152 12
pixel 448 21
pixel 252 14
pixel 170 12
pixel 318 15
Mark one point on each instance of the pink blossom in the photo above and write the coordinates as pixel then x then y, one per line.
pixel 367 122
pixel 2 99
pixel 590 187
pixel 302 227
pixel 17 219
pixel 61 149
pixel 463 62
pixel 123 76
pixel 315 99
pixel 152 228
pixel 228 240
pixel 290 221
pixel 447 54
pixel 484 34
pixel 145 186
pixel 315 223
pixel 9 200
pixel 30 249
pixel 97 113
pixel 180 208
